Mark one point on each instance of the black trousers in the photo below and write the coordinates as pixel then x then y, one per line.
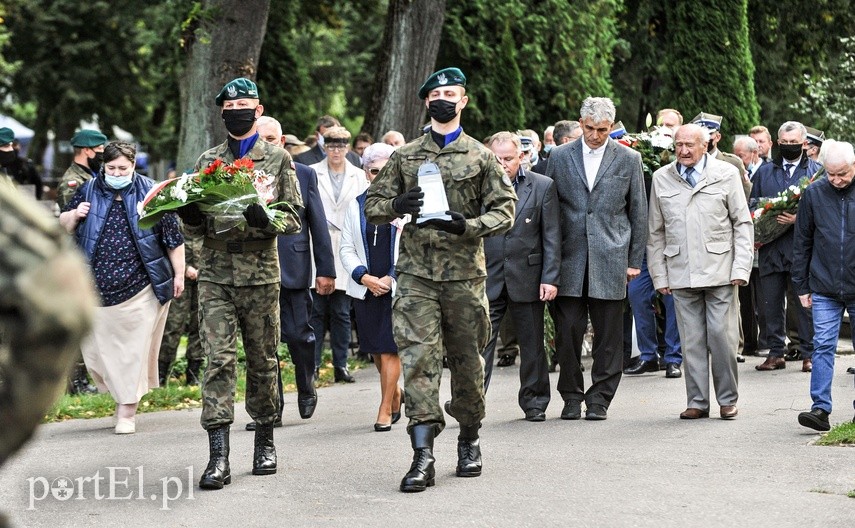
pixel 295 309
pixel 534 368
pixel 774 293
pixel 571 322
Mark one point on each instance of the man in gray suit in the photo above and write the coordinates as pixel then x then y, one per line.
pixel 603 212
pixel 522 273
pixel 700 249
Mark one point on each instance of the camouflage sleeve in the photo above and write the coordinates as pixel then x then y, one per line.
pixel 385 188
pixel 67 189
pixel 498 199
pixel 289 193
pixel 47 297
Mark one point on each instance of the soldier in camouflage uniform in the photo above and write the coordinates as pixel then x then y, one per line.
pixel 184 319
pixel 88 156
pixel 47 302
pixel 239 290
pixel 441 300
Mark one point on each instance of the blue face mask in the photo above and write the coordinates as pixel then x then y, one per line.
pixel 117 182
pixel 547 148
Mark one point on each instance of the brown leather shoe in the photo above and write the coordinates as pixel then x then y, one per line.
pixel 807 365
pixel 772 363
pixel 693 414
pixel 728 411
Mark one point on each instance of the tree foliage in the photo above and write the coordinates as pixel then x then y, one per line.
pixel 830 98
pixel 709 63
pixel 564 50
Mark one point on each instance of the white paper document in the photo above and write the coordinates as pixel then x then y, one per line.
pixel 435 201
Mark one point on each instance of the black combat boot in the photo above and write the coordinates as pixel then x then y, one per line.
pixel 191 375
pixel 217 474
pixel 264 460
pixel 469 451
pixel 421 474
pixel 162 372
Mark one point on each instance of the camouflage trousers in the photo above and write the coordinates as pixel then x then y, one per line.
pixel 254 311
pixel 428 317
pixel 183 319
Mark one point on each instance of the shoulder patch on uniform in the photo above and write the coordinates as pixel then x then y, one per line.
pixel 506 180
pixel 293 167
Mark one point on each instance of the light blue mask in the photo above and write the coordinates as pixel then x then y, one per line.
pixel 117 182
pixel 547 148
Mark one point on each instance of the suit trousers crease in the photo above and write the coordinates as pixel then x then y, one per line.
pixel 527 317
pixel 708 319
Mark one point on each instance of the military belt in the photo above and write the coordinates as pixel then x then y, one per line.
pixel 239 246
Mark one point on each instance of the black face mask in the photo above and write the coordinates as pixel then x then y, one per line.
pixel 95 163
pixel 442 111
pixel 790 152
pixel 239 122
pixel 7 157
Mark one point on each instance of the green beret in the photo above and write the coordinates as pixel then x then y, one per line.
pixel 6 136
pixel 88 139
pixel 444 77
pixel 240 88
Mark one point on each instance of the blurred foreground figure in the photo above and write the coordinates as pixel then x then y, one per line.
pixel 46 307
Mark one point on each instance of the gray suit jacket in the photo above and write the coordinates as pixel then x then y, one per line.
pixel 530 253
pixel 603 231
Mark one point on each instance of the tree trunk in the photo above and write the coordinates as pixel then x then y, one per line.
pixel 225 45
pixel 409 50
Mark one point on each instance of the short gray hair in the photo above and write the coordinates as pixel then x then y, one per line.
pixel 267 120
pixel 701 131
pixel 789 126
pixel 506 137
pixel 747 143
pixel 599 109
pixel 563 129
pixel 837 151
pixel 375 152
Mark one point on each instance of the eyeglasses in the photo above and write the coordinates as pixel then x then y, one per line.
pixel 373 172
pixel 335 146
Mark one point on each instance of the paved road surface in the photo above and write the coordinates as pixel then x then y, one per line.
pixel 642 467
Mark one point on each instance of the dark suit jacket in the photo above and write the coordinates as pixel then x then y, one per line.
pixel 530 253
pixel 316 154
pixel 294 259
pixel 770 179
pixel 604 230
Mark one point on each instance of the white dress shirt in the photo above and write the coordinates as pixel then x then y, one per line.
pixel 592 158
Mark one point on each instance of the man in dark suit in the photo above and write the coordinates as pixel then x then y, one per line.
pixel 316 153
pixel 600 187
pixel 522 273
pixel 776 256
pixel 295 300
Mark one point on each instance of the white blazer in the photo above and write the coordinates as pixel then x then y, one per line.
pixel 354 184
pixel 352 250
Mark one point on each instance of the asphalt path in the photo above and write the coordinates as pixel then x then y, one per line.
pixel 641 467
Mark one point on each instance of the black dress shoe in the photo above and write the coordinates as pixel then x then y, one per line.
pixel 251 425
pixel 535 415
pixel 306 406
pixel 740 358
pixel 793 355
pixel 815 419
pixel 673 371
pixel 382 428
pixel 596 412
pixel 317 375
pixel 343 375
pixel 506 360
pixel 641 366
pixel 572 410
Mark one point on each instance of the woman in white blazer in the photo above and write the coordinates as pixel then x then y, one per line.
pixel 368 255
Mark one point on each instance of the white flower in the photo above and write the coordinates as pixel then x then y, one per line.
pixel 797 191
pixel 178 193
pixel 140 209
pixel 757 213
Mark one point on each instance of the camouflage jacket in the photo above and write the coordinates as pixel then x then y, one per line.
pixel 251 268
pixel 476 187
pixel 47 302
pixel 73 179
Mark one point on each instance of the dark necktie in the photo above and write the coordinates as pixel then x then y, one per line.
pixel 690 176
pixel 788 168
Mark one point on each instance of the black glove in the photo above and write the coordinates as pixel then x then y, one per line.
pixel 190 214
pixel 455 226
pixel 409 202
pixel 256 216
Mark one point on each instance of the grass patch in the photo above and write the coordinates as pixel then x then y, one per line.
pixel 175 395
pixel 851 494
pixel 840 434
